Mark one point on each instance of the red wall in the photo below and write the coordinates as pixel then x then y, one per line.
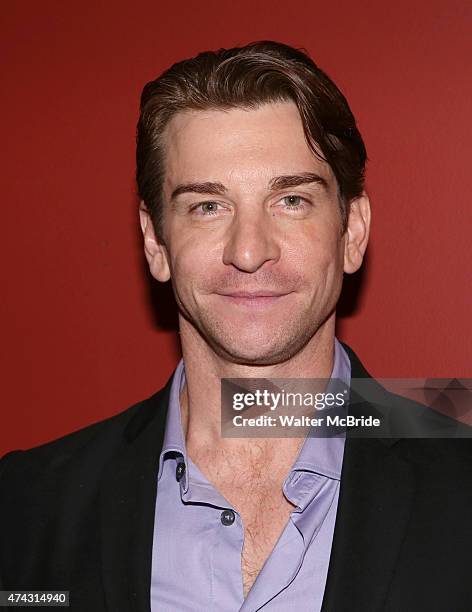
pixel 80 338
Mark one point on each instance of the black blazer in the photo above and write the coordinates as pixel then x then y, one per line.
pixel 77 514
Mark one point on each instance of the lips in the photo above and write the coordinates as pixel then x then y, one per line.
pixel 253 299
pixel 253 294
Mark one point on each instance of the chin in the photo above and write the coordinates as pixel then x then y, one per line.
pixel 253 359
pixel 269 351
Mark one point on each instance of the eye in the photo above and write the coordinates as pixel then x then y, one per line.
pixel 207 208
pixel 294 202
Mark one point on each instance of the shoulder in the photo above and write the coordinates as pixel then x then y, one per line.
pixel 51 496
pixel 93 446
pixel 404 418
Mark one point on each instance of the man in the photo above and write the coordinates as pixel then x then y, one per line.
pixel 251 175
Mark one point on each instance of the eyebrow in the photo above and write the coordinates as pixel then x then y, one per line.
pixel 279 182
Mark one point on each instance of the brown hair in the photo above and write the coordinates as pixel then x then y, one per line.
pixel 247 77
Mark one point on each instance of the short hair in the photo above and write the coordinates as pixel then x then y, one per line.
pixel 248 77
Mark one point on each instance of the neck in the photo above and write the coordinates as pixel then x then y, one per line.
pixel 201 396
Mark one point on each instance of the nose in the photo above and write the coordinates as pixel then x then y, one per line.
pixel 251 241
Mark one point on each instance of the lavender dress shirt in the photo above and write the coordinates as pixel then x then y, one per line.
pixel 198 536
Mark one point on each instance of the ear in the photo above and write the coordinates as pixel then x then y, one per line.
pixel 357 233
pixel 155 250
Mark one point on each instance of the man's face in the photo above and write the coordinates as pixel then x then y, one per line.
pixel 252 231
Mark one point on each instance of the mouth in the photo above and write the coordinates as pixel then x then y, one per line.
pixel 253 299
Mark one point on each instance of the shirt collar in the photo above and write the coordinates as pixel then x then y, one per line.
pixel 325 455
pixel 173 436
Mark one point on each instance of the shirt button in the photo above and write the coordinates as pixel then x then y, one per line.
pixel 180 471
pixel 227 517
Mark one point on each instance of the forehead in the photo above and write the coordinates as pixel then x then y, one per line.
pixel 238 145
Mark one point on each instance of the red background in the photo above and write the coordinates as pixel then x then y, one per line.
pixel 81 336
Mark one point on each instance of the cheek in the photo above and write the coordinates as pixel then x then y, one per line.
pixel 318 252
pixel 192 262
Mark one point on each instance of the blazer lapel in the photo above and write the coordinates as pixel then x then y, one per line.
pixel 128 497
pixel 377 488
